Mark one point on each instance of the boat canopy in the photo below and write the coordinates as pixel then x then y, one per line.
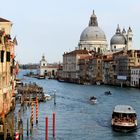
pixel 127 109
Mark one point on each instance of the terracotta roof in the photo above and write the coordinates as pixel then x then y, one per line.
pixel 3 20
pixel 77 52
pixel 85 57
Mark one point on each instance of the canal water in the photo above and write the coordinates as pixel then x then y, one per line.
pixel 76 117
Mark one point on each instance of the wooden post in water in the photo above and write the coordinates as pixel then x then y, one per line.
pixel 46 128
pixel 54 99
pixel 54 124
pixel 32 114
pixel 27 127
pixel 36 110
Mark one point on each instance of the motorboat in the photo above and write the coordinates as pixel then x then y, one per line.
pixel 93 99
pixel 124 118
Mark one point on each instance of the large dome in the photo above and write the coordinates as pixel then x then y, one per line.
pixel 93 33
pixel 118 39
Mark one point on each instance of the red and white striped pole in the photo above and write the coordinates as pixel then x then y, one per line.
pixel 16 135
pixel 36 110
pixel 32 114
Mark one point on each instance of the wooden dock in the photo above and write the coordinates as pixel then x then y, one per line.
pixel 29 92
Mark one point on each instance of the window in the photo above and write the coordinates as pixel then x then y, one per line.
pixel 2 56
pixel 8 56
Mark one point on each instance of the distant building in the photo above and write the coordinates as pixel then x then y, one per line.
pixel 7 68
pixel 49 70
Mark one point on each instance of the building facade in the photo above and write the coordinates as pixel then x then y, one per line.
pixel 7 68
pixel 71 64
pixel 135 76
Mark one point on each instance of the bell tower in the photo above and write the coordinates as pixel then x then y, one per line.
pixel 43 62
pixel 129 38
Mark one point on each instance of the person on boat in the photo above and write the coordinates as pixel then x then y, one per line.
pixel 92 98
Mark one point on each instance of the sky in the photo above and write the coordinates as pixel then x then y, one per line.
pixel 52 27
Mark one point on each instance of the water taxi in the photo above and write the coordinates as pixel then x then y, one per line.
pixel 124 118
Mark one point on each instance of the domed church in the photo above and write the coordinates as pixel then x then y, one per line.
pixel 93 37
pixel 121 40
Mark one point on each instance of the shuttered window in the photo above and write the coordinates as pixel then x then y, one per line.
pixel 8 56
pixel 2 56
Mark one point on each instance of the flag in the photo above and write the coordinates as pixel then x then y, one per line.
pixel 15 41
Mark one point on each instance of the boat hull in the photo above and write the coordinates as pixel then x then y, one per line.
pixel 124 128
pixel 93 101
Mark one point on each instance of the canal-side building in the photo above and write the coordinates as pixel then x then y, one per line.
pixel 135 76
pixel 96 69
pixel 107 67
pixel 7 67
pixel 84 75
pixel 121 66
pixel 71 64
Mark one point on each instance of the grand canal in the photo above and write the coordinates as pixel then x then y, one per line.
pixel 76 117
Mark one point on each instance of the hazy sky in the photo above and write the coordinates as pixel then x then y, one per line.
pixel 51 27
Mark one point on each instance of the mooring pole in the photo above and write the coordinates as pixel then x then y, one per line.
pixel 46 128
pixel 54 99
pixel 32 114
pixel 27 127
pixel 54 124
pixel 36 110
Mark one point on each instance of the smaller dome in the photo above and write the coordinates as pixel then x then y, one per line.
pixel 118 39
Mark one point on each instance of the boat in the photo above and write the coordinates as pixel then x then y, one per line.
pixel 41 77
pixel 124 118
pixel 47 97
pixel 108 93
pixel 93 99
pixel 98 83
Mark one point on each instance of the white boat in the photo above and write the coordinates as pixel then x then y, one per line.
pixel 47 97
pixel 98 83
pixel 93 99
pixel 124 118
pixel 41 77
